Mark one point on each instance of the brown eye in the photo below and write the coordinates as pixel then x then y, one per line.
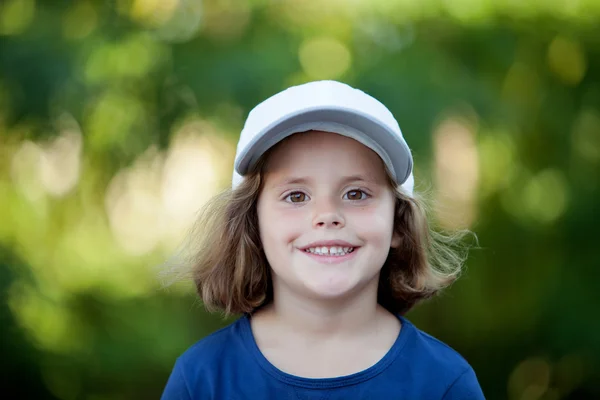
pixel 356 195
pixel 296 197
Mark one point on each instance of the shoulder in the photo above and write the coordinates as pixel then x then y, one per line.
pixel 195 368
pixel 436 358
pixel 212 347
pixel 432 350
pixel 464 387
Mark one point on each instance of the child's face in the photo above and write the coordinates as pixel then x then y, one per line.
pixel 322 187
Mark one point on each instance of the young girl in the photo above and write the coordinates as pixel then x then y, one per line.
pixel 322 247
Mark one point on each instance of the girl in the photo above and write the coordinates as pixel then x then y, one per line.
pixel 322 247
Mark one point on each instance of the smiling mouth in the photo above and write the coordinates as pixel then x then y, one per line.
pixel 331 251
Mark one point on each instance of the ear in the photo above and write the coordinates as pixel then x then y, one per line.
pixel 396 240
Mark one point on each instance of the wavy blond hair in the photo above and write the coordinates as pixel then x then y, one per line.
pixel 230 271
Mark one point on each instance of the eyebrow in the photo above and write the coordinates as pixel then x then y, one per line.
pixel 302 180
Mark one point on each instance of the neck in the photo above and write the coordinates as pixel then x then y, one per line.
pixel 318 318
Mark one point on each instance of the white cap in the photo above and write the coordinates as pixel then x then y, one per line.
pixel 327 106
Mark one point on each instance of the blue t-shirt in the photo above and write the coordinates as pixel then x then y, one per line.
pixel 228 365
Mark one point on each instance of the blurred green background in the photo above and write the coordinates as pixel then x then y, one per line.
pixel 119 119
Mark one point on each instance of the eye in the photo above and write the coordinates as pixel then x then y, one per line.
pixel 296 197
pixel 355 195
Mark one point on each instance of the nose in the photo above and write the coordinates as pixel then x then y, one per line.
pixel 328 215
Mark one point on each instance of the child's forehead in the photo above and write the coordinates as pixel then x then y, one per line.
pixel 313 140
pixel 317 152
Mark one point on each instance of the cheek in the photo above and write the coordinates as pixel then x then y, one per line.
pixel 376 224
pixel 278 228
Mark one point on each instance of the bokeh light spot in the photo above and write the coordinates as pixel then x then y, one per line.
pixel 185 21
pixel 195 165
pixel 545 195
pixel 24 171
pixel 133 205
pixel 155 201
pixel 16 16
pixel 112 119
pixel 456 172
pixel 586 135
pixel 567 60
pixel 529 380
pixel 80 20
pixel 497 162
pixel 226 19
pixel 324 58
pixel 521 86
pixel 134 57
pixel 60 163
pixel 469 10
pixel 153 12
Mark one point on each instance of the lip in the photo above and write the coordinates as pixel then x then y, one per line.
pixel 327 259
pixel 331 259
pixel 329 243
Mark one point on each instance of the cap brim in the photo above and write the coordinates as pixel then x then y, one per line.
pixel 393 145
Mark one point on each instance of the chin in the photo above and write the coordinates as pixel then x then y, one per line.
pixel 327 282
pixel 331 287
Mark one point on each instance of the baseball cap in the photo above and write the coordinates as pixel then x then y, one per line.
pixel 328 106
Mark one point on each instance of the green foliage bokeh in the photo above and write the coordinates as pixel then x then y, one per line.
pixel 100 101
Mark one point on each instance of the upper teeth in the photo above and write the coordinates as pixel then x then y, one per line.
pixel 333 251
